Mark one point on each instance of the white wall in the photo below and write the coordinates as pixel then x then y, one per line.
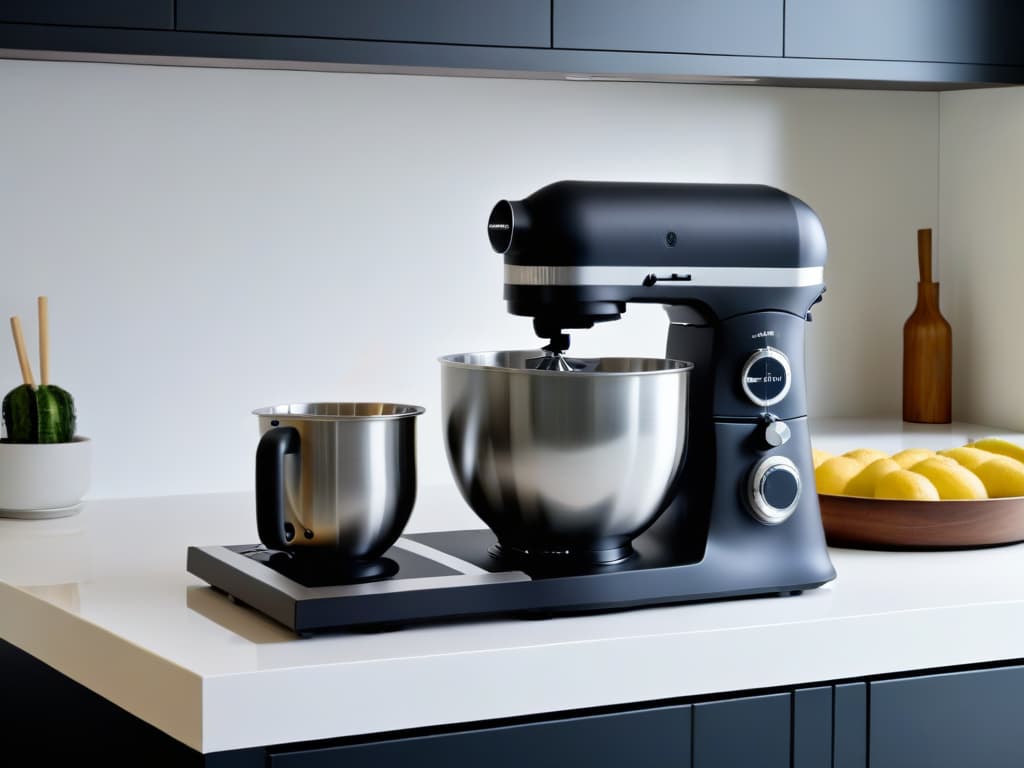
pixel 981 245
pixel 217 240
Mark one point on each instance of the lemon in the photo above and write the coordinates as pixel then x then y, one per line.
pixel 833 474
pixel 1000 446
pixel 866 455
pixel 819 456
pixel 952 480
pixel 1002 476
pixel 865 481
pixel 909 457
pixel 968 456
pixel 947 460
pixel 904 484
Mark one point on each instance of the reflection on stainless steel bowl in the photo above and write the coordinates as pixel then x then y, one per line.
pixel 579 461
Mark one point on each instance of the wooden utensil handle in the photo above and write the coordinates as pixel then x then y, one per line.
pixel 924 254
pixel 44 341
pixel 19 345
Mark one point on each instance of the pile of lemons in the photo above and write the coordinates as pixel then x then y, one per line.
pixel 989 468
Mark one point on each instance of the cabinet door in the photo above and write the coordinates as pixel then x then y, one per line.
pixel 140 14
pixel 949 721
pixel 812 728
pixel 750 731
pixel 850 726
pixel 960 31
pixel 736 27
pixel 642 739
pixel 468 22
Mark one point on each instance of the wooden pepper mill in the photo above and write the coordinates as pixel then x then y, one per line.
pixel 927 349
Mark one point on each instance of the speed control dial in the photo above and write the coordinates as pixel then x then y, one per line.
pixel 766 377
pixel 774 490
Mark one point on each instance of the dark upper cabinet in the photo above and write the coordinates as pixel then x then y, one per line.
pixel 731 27
pixel 641 739
pixel 956 31
pixel 524 23
pixel 949 720
pixel 142 14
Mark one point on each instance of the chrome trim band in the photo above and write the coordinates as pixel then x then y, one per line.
pixel 725 277
pixel 455 563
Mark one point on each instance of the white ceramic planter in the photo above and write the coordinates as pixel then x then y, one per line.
pixel 45 480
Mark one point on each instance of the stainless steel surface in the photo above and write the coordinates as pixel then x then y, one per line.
pixel 564 460
pixel 724 277
pixel 554 361
pixel 352 487
pixel 762 511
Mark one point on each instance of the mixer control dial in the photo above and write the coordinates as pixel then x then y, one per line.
pixel 766 377
pixel 774 490
pixel 776 433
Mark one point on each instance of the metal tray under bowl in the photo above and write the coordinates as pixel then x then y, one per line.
pixel 857 521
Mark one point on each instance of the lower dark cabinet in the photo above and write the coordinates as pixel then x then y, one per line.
pixel 812 727
pixel 639 739
pixel 951 720
pixel 957 719
pixel 750 731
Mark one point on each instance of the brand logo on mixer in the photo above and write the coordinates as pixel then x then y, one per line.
pixel 764 379
pixel 762 334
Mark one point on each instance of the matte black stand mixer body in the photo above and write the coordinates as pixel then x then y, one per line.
pixel 738 268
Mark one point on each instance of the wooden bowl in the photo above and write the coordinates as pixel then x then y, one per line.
pixel 855 521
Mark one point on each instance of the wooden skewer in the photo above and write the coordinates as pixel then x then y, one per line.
pixel 44 341
pixel 19 345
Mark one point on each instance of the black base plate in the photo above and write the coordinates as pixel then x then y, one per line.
pixel 464 581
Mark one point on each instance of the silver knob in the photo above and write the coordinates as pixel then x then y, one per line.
pixel 766 377
pixel 774 490
pixel 777 433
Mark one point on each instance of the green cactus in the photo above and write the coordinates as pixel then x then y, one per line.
pixel 44 414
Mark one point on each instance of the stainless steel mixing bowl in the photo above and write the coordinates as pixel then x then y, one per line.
pixel 565 463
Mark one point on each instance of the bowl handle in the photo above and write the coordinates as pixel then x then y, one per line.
pixel 274 445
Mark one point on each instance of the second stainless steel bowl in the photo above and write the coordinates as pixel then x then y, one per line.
pixel 565 462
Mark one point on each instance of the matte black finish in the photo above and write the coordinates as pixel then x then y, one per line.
pixel 50 720
pixel 274 445
pixel 332 54
pixel 963 31
pixel 741 732
pixel 850 734
pixel 142 14
pixel 464 22
pixel 949 721
pixel 812 727
pixel 608 223
pixel 641 739
pixel 732 27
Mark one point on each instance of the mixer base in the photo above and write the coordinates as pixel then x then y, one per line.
pixel 561 559
pixel 452 575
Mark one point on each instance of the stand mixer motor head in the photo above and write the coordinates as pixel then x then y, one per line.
pixel 577 252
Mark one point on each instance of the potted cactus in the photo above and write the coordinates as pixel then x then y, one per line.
pixel 44 465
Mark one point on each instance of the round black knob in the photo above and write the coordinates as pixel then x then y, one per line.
pixel 774 490
pixel 766 377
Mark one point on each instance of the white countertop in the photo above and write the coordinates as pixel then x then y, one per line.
pixel 104 598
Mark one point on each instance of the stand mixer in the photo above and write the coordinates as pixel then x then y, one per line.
pixel 737 268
